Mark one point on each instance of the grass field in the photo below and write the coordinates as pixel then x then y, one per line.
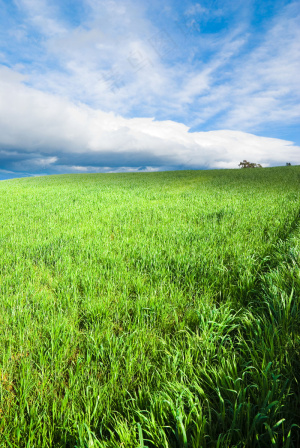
pixel 151 310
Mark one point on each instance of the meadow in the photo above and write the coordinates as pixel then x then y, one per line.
pixel 155 310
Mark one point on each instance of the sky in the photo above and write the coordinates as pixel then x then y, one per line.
pixel 92 86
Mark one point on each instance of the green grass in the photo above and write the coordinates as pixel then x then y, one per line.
pixel 151 310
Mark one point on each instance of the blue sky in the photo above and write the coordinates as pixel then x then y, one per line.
pixel 102 86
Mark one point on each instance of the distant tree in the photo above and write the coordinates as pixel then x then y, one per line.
pixel 288 164
pixel 246 164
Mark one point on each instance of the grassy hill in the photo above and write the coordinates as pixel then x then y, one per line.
pixel 150 310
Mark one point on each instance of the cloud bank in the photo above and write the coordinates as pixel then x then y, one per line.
pixel 44 133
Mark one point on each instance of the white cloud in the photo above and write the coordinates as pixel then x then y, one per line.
pixel 197 8
pixel 6 172
pixel 109 62
pixel 261 86
pixel 42 15
pixel 83 169
pixel 41 130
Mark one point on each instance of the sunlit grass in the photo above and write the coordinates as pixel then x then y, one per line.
pixel 157 310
